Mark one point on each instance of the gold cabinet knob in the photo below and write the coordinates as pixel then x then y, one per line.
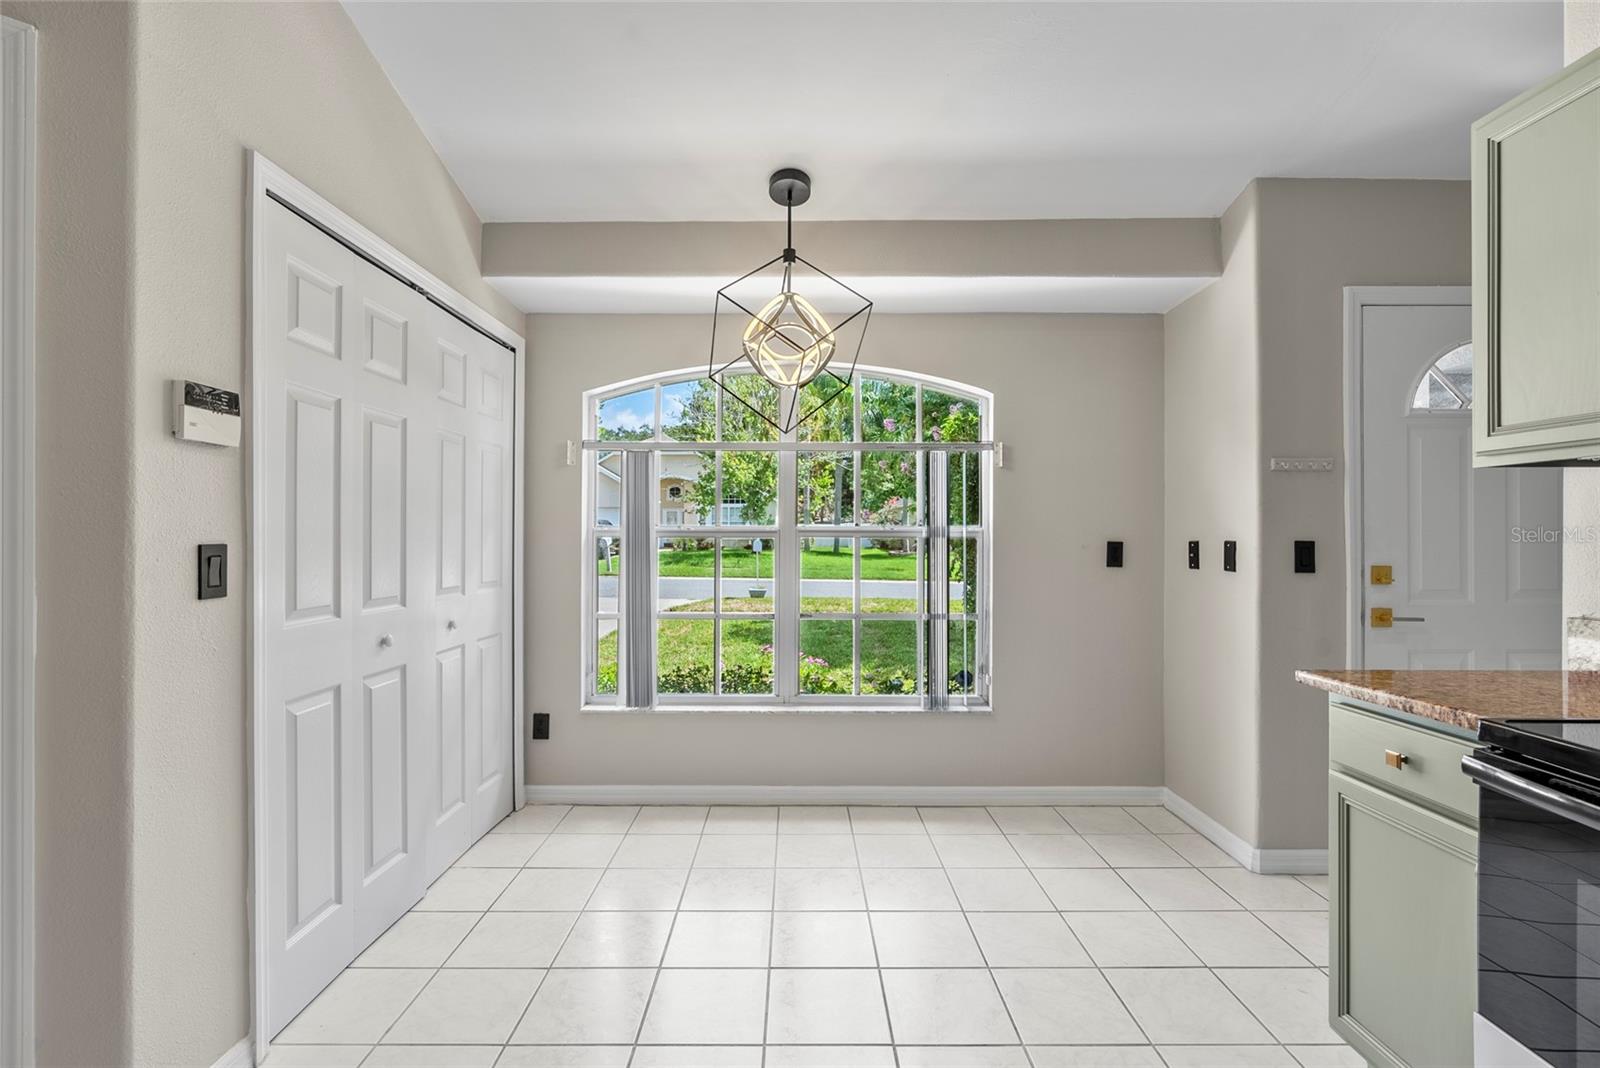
pixel 1395 760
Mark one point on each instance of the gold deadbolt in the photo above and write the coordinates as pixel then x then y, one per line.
pixel 1382 575
pixel 1395 760
pixel 1382 617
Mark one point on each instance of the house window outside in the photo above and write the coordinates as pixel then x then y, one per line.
pixel 794 572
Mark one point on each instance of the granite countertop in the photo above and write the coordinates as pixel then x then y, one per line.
pixel 1462 698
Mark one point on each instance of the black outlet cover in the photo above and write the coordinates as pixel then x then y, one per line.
pixel 1113 554
pixel 1305 557
pixel 1230 556
pixel 1194 556
pixel 541 726
pixel 213 571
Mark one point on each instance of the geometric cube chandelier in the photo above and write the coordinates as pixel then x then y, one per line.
pixel 773 348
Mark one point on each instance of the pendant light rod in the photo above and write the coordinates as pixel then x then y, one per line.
pixel 789 188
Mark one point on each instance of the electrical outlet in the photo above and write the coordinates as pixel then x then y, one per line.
pixel 1194 556
pixel 541 726
pixel 1305 557
pixel 1230 556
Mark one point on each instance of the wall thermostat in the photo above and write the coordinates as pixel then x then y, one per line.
pixel 206 414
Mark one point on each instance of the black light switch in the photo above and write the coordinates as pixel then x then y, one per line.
pixel 541 726
pixel 1194 556
pixel 1230 556
pixel 213 571
pixel 1305 557
pixel 1113 554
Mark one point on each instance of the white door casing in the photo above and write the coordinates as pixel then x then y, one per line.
pixel 386 668
pixel 1476 569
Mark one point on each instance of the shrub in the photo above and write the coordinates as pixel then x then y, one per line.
pixel 686 678
pixel 746 678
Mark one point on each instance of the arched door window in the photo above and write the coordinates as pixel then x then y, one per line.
pixel 1446 386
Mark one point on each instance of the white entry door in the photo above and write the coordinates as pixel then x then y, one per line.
pixel 386 611
pixel 1476 574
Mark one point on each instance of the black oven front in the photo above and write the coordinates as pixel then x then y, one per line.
pixel 1539 890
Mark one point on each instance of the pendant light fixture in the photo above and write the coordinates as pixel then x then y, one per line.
pixel 774 322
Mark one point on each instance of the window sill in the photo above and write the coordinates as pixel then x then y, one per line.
pixel 784 710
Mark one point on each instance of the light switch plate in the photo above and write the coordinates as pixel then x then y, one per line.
pixel 213 571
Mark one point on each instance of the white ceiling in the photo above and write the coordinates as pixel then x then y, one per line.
pixel 678 111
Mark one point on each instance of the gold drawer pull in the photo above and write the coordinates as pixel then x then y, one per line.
pixel 1395 760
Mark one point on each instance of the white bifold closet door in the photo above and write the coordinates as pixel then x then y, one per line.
pixel 387 605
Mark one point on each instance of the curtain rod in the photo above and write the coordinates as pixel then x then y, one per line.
pixel 591 445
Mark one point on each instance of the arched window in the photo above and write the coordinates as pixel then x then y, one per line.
pixel 845 565
pixel 1446 386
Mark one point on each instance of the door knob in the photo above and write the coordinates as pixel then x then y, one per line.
pixel 1382 575
pixel 386 641
pixel 451 625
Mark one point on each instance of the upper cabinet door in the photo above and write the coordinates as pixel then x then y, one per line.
pixel 1536 274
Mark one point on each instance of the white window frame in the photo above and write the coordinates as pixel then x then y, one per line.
pixel 784 537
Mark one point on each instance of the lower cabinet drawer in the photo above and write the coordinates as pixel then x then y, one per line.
pixel 1403 915
pixel 1423 764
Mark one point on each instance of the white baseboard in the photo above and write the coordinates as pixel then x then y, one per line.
pixel 1262 861
pixel 1291 862
pixel 848 795
pixel 238 1056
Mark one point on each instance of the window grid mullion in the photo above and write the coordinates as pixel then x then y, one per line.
pixel 938 584
pixel 855 611
pixel 786 584
pixel 716 616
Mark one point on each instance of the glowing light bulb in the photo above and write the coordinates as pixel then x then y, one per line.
pixel 789 342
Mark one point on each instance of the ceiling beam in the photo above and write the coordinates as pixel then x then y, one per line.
pixel 1047 248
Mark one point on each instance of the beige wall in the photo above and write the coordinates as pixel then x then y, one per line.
pixel 1212 627
pixel 146 115
pixel 1264 347
pixel 1316 237
pixel 1077 661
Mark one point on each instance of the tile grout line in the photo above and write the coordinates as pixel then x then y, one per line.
pixel 872 932
pixel 523 1015
pixel 988 969
pixel 440 968
pixel 644 1014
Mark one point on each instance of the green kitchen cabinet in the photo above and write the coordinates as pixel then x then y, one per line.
pixel 1536 274
pixel 1402 891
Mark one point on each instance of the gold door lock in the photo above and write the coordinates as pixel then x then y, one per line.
pixel 1382 617
pixel 1382 575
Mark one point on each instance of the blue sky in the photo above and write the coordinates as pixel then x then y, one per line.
pixel 629 412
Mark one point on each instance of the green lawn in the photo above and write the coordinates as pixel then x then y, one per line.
pixel 684 650
pixel 819 562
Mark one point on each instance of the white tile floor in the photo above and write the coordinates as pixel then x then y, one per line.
pixel 831 937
